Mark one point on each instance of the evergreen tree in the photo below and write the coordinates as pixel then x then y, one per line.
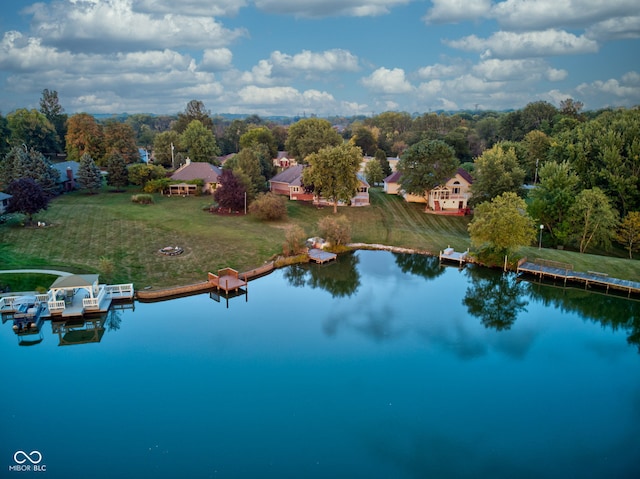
pixel 117 173
pixel 20 163
pixel 89 176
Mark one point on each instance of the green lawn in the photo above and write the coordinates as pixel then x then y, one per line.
pixel 89 232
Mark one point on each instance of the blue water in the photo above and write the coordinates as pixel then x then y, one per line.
pixel 352 369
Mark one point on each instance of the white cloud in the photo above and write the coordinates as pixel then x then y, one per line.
pixel 624 92
pixel 387 81
pixel 454 11
pixel 522 70
pixel 329 8
pixel 440 70
pixel 615 28
pixel 526 45
pixel 544 14
pixel 114 25
pixel 206 8
pixel 216 59
pixel 307 61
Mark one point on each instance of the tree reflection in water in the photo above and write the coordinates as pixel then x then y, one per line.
pixel 340 277
pixel 608 309
pixel 113 320
pixel 495 298
pixel 419 264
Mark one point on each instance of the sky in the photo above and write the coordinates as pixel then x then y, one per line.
pixel 318 57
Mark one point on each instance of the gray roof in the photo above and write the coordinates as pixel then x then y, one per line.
pixel 4 196
pixel 62 169
pixel 197 170
pixel 291 176
pixel 75 281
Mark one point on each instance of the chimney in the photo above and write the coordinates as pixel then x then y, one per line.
pixel 187 161
pixel 69 183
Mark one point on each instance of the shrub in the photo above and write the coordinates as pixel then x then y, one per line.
pixel 143 199
pixel 269 207
pixel 294 241
pixel 156 186
pixel 337 231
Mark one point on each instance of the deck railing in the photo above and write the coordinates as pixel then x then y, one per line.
pixel 120 290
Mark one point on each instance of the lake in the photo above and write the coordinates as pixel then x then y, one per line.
pixel 375 366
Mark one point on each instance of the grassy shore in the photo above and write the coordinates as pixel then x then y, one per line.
pixel 110 235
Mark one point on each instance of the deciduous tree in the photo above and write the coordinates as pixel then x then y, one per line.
pixel 309 136
pixel 425 165
pixel 32 129
pixel 195 110
pixel 373 172
pixel 628 234
pixel 502 224
pixel 593 219
pixel 199 143
pixel 332 172
pixel 84 135
pixel 496 171
pixel 27 197
pixel 120 139
pixel 553 197
pixel 231 192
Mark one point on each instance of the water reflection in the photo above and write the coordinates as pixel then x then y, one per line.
pixel 420 265
pixel 607 309
pixel 494 298
pixel 340 278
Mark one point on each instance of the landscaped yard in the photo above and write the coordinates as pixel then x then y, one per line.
pixel 110 235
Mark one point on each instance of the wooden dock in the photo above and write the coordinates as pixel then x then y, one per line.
pixel 227 279
pixel 449 254
pixel 564 271
pixel 319 256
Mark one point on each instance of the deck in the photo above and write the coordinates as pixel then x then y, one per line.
pixel 450 255
pixel 319 256
pixel 227 279
pixel 565 272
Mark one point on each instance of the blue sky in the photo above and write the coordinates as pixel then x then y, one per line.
pixel 322 57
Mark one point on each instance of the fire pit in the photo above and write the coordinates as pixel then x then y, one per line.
pixel 171 250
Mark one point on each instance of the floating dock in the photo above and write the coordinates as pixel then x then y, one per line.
pixel 319 256
pixel 564 271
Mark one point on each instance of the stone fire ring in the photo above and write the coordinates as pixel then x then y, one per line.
pixel 171 250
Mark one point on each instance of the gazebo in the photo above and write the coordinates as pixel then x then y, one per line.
pixel 66 287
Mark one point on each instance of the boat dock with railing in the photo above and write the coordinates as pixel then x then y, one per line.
pixel 73 296
pixel 564 271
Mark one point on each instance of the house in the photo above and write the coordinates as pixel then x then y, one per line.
pixel 392 183
pixel 283 160
pixel 68 171
pixel 452 197
pixel 289 182
pixel 192 171
pixel 4 202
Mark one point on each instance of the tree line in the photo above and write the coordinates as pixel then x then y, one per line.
pixel 582 168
